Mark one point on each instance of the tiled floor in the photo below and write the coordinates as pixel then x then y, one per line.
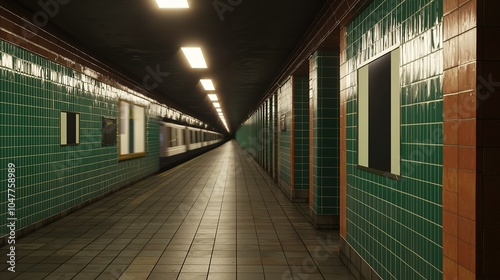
pixel 216 217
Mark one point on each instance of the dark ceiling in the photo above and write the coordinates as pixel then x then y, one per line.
pixel 246 44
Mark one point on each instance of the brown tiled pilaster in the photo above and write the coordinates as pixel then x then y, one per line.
pixel 460 140
pixel 472 147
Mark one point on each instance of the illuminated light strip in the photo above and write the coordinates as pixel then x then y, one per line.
pixel 207 84
pixel 172 4
pixel 195 57
pixel 213 97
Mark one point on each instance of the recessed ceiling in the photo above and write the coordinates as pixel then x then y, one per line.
pixel 245 44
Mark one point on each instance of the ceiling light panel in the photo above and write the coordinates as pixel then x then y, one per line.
pixel 195 57
pixel 213 97
pixel 207 84
pixel 172 4
pixel 216 104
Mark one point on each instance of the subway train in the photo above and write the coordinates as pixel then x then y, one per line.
pixel 180 142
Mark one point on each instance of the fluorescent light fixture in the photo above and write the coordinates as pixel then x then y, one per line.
pixel 216 104
pixel 195 57
pixel 219 110
pixel 213 97
pixel 207 84
pixel 172 4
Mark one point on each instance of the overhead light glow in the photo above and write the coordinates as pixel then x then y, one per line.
pixel 216 104
pixel 195 57
pixel 219 110
pixel 207 84
pixel 213 97
pixel 172 4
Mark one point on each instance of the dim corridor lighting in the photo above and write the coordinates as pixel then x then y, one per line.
pixel 213 97
pixel 219 110
pixel 216 105
pixel 172 4
pixel 195 57
pixel 207 84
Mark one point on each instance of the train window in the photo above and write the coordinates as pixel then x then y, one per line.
pixel 174 139
pixel 180 137
pixel 168 140
pixel 165 138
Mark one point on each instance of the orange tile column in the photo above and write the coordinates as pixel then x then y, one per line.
pixel 460 144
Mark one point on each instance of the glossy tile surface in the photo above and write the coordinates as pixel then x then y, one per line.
pixel 286 134
pixel 218 216
pixel 259 135
pixel 396 226
pixel 324 96
pixel 293 103
pixel 301 133
pixel 51 178
pixel 461 158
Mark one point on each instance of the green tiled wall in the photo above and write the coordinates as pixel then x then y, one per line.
pixel 51 178
pixel 275 133
pixel 293 102
pixel 396 226
pixel 325 90
pixel 262 124
pixel 268 134
pixel 285 99
pixel 255 134
pixel 245 136
pixel 259 134
pixel 301 132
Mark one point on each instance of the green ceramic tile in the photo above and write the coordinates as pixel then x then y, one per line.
pixel 324 84
pixel 408 211
pixel 54 178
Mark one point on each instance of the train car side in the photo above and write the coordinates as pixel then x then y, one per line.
pixel 179 143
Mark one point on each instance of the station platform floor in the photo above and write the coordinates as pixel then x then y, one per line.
pixel 218 216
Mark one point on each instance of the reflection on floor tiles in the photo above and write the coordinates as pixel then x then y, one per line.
pixel 216 217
